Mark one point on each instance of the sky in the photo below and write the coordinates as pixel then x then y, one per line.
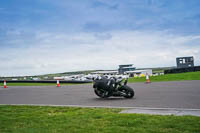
pixel 49 36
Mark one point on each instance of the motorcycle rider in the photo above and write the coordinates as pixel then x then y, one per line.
pixel 106 86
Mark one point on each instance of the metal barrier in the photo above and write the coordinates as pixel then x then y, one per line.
pixel 46 81
pixel 181 70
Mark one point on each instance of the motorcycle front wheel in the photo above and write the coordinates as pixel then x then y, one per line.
pixel 128 90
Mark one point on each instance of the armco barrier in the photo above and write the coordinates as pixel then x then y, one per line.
pixel 46 81
pixel 181 70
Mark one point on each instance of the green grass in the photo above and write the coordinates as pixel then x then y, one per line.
pixel 38 84
pixel 37 119
pixel 169 77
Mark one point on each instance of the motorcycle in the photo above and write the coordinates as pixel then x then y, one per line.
pixel 114 86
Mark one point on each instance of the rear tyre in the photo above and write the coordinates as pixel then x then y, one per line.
pixel 102 94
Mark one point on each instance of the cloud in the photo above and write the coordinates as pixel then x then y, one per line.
pixel 48 36
pixel 103 36
pixel 93 26
pixel 102 15
pixel 100 4
pixel 71 52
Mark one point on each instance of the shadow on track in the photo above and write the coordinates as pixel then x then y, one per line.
pixel 112 98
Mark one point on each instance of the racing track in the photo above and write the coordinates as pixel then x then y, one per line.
pixel 181 94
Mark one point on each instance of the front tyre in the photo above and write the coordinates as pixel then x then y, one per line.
pixel 128 90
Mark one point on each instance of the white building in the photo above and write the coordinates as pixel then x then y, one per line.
pixel 140 73
pixel 36 78
pixel 58 78
pixel 105 72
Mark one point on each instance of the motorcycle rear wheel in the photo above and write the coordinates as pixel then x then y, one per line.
pixel 102 94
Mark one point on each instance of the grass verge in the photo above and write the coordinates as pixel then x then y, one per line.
pixel 170 77
pixel 31 119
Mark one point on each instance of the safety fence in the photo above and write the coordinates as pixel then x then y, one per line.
pixel 46 81
pixel 181 70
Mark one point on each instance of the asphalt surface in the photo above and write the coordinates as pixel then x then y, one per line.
pixel 181 94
